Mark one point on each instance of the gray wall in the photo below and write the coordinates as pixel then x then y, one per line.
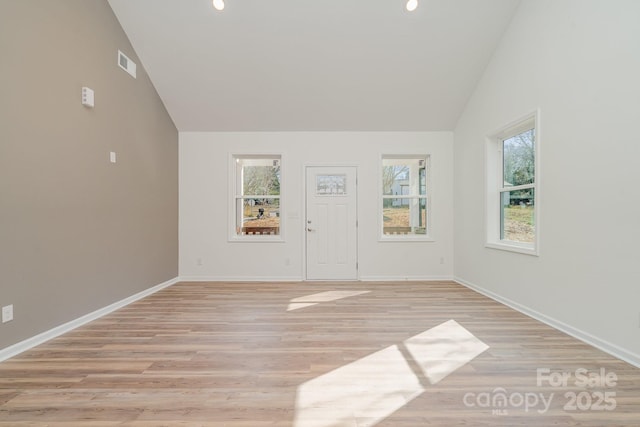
pixel 77 232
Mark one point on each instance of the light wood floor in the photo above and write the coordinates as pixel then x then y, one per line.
pixel 259 354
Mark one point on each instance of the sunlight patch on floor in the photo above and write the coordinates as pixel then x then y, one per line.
pixel 328 296
pixel 373 387
pixel 443 349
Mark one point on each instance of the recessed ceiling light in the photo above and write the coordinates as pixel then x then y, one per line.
pixel 219 4
pixel 411 5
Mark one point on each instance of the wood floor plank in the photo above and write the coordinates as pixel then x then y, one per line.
pixel 251 355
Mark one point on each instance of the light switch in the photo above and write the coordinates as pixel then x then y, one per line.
pixel 87 97
pixel 112 156
pixel 7 313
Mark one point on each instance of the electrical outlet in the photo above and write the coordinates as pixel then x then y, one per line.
pixel 7 313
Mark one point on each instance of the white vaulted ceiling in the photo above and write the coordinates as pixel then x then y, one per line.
pixel 314 65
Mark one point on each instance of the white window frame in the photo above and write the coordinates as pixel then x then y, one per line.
pixel 235 193
pixel 494 185
pixel 428 237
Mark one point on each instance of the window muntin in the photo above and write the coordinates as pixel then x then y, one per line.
pixel 404 197
pixel 257 195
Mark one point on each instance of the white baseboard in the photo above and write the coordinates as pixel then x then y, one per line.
pixel 405 278
pixel 301 279
pixel 607 347
pixel 240 279
pixel 29 343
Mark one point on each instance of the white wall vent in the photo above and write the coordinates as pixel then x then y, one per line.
pixel 126 64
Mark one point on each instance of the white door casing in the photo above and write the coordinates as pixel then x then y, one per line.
pixel 331 223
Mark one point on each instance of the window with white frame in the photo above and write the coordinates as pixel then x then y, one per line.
pixel 256 196
pixel 405 198
pixel 512 179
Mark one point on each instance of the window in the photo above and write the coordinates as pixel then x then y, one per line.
pixel 405 198
pixel 331 185
pixel 256 197
pixel 512 177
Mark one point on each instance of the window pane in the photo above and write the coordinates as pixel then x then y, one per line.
pixel 519 159
pixel 517 216
pixel 404 216
pixel 261 180
pixel 403 177
pixel 258 216
pixel 331 185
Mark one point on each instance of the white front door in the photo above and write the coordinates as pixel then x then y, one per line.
pixel 331 223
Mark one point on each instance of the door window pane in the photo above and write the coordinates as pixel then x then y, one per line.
pixel 334 185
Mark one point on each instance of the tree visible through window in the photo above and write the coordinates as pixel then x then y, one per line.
pixel 517 195
pixel 512 187
pixel 404 196
pixel 257 195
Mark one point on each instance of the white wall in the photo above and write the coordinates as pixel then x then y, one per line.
pixel 204 159
pixel 578 62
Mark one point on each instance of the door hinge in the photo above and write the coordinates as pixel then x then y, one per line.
pixel 356 265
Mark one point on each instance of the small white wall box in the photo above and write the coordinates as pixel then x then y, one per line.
pixel 126 64
pixel 87 97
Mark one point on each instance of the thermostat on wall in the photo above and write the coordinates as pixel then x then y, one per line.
pixel 87 97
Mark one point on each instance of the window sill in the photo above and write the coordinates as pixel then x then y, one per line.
pixel 256 239
pixel 406 239
pixel 513 247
